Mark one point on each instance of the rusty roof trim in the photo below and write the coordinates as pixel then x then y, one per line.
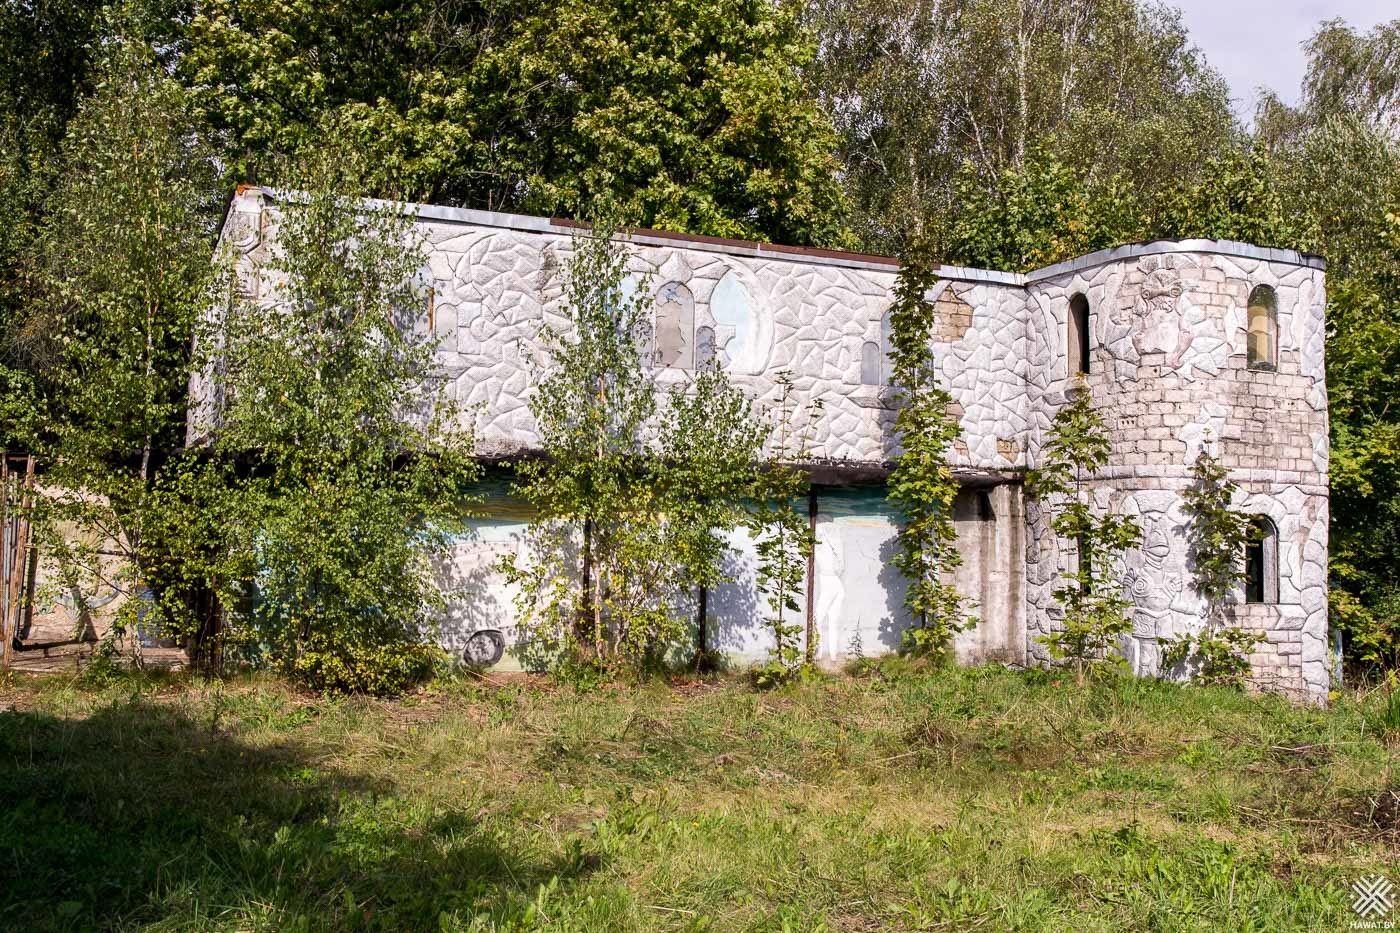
pixel 811 252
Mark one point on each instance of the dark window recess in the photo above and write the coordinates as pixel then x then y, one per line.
pixel 1261 562
pixel 1078 336
pixel 1254 572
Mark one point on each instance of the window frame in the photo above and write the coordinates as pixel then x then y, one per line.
pixel 1266 297
pixel 1261 552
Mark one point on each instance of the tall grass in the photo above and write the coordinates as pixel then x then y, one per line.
pixel 893 799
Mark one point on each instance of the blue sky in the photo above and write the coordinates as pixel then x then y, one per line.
pixel 1257 43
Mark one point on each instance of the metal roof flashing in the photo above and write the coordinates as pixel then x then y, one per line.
pixel 1166 247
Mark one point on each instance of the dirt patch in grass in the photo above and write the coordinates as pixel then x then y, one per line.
pixel 1376 816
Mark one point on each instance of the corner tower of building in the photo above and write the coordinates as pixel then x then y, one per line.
pixel 1198 344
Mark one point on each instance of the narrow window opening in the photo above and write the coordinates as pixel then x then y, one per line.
pixel 984 506
pixel 1261 562
pixel 1262 346
pixel 674 330
pixel 705 347
pixel 870 364
pixel 1078 336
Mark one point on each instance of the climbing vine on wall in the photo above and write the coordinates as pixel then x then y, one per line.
pixel 1095 609
pixel 1217 536
pixel 922 486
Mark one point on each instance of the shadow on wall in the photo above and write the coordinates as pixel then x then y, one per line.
pixel 478 594
pixel 895 585
pixel 735 611
pixel 140 813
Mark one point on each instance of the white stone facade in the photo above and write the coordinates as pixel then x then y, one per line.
pixel 1168 368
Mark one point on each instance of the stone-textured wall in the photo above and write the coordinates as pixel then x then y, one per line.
pixel 494 288
pixel 1168 369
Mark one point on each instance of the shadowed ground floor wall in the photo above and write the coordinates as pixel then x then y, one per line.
pixel 857 605
pixel 1011 565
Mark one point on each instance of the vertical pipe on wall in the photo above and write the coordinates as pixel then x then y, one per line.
pixel 811 652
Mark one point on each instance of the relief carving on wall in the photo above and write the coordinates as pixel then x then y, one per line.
pixel 1165 319
pixel 245 236
pixel 1156 578
pixel 675 327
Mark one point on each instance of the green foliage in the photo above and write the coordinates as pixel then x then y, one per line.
pixel 120 272
pixel 782 540
pixel 1217 536
pixel 54 56
pixel 921 485
pixel 1339 163
pixel 686 114
pixel 591 407
pixel 349 498
pixel 1038 213
pixel 1388 719
pixel 1239 197
pixel 1095 609
pixel 1046 211
pixel 632 503
pixel 934 102
pixel 1216 655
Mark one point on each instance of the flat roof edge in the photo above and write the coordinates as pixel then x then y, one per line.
pixel 647 237
pixel 1233 248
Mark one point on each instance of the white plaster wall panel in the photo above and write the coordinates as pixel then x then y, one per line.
pixel 772 315
pixel 735 609
pixel 478 594
pixel 858 595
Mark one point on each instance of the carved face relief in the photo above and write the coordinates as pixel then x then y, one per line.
pixel 246 231
pixel 1156 313
pixel 1167 321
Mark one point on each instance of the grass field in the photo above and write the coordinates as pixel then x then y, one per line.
pixel 894 799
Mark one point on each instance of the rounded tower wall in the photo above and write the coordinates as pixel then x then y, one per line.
pixel 1177 361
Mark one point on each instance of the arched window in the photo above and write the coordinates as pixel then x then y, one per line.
pixel 732 308
pixel 1263 329
pixel 1261 562
pixel 675 324
pixel 705 347
pixel 870 364
pixel 1077 336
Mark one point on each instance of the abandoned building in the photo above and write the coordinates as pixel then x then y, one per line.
pixel 1181 343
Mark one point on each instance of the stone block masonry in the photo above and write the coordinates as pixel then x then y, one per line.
pixel 1169 367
